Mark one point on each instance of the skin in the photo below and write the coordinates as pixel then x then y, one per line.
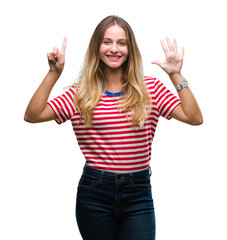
pixel 38 110
pixel 188 111
pixel 113 53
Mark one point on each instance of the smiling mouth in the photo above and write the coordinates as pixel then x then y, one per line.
pixel 113 57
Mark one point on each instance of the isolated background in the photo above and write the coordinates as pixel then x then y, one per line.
pixel 41 163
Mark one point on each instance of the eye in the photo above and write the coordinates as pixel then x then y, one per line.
pixel 106 42
pixel 122 43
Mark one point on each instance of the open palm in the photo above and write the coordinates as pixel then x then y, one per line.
pixel 174 60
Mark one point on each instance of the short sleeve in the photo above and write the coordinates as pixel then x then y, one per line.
pixel 166 101
pixel 63 105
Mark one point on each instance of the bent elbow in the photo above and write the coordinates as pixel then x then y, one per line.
pixel 26 119
pixel 200 121
pixel 197 121
pixel 29 119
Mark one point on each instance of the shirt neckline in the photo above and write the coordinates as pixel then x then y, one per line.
pixel 116 94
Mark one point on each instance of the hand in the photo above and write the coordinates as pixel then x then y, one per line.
pixel 174 60
pixel 56 59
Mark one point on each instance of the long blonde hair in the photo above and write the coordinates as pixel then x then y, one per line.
pixel 136 101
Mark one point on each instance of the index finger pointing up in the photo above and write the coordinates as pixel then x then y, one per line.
pixel 64 44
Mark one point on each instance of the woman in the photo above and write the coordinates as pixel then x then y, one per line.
pixel 114 111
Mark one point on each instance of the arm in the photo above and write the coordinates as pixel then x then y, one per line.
pixel 188 111
pixel 38 110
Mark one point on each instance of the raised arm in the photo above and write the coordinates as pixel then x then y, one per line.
pixel 188 111
pixel 38 110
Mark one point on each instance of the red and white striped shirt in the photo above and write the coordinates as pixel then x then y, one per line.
pixel 111 144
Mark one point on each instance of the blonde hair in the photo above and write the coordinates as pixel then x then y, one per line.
pixel 136 101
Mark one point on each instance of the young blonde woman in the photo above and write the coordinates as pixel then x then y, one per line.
pixel 114 111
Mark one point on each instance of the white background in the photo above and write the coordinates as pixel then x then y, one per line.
pixel 41 163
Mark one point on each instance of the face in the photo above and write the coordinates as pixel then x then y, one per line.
pixel 114 49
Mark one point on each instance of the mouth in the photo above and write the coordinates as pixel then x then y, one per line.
pixel 113 57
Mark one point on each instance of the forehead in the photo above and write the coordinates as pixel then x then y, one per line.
pixel 115 31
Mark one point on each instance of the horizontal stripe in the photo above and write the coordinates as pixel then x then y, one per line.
pixel 111 150
pixel 116 164
pixel 114 144
pixel 111 143
pixel 116 147
pixel 113 139
pixel 117 154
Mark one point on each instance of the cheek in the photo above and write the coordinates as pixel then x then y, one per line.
pixel 126 53
pixel 102 49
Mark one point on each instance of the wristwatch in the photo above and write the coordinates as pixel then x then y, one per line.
pixel 182 85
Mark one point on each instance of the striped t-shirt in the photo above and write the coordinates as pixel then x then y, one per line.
pixel 111 144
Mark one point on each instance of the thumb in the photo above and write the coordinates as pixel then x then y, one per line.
pixel 157 63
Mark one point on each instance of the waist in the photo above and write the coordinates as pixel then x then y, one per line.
pixel 117 176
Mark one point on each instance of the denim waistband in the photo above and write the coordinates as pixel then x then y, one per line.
pixel 113 175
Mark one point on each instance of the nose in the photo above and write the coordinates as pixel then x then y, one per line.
pixel 114 48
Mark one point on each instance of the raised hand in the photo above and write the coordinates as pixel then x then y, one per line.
pixel 56 58
pixel 174 60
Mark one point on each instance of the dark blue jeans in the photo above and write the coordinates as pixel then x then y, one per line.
pixel 114 206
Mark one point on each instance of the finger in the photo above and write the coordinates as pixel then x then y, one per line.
pixel 64 45
pixel 55 52
pixel 164 47
pixel 169 44
pixel 157 63
pixel 175 45
pixel 48 56
pixel 51 57
pixel 182 53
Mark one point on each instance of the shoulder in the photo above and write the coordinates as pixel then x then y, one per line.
pixel 75 87
pixel 68 93
pixel 72 89
pixel 152 83
pixel 150 80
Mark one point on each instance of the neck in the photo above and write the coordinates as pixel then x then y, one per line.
pixel 113 80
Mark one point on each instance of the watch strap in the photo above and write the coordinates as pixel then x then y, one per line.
pixel 182 85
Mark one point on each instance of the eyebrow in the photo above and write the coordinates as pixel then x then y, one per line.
pixel 121 39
